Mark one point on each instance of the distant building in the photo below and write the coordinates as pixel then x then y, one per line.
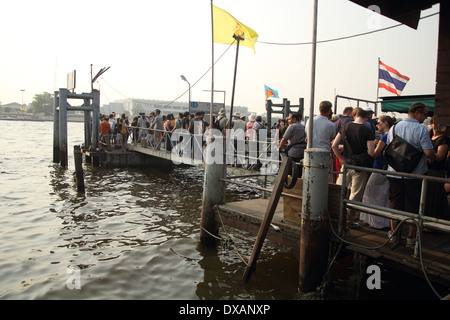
pixel 14 107
pixel 116 107
pixel 135 106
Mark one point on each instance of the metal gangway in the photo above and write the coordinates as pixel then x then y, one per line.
pixel 182 147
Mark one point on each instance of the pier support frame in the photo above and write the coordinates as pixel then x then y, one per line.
pixel 56 155
pixel 61 106
pixel 315 231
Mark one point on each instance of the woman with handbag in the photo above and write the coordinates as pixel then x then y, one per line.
pixel 377 187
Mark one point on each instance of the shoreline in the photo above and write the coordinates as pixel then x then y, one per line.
pixel 41 119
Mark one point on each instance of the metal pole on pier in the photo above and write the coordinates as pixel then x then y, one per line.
pixel 213 192
pixel 315 232
pixel 313 79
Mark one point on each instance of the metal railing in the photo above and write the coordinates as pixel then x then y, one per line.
pixel 254 155
pixel 420 219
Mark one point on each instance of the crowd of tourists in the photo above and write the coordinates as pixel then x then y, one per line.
pixel 358 138
pixel 355 138
pixel 155 129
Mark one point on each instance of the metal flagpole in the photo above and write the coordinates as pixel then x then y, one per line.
pixel 238 39
pixel 378 84
pixel 313 78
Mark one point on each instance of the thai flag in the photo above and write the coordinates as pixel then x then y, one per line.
pixel 390 79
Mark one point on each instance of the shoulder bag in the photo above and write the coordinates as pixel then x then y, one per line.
pixel 401 155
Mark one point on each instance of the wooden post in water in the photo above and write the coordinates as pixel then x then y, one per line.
pixel 315 231
pixel 213 190
pixel 79 174
pixel 56 154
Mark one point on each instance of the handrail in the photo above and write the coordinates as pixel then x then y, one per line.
pixel 419 218
pixel 247 158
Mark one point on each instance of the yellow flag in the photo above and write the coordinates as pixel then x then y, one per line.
pixel 225 26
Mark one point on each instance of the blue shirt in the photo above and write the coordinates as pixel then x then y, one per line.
pixel 379 162
pixel 417 135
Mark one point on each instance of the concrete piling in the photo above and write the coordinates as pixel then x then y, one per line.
pixel 315 231
pixel 213 192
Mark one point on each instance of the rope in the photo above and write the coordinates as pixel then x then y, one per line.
pixel 383 244
pixel 229 240
pixel 340 38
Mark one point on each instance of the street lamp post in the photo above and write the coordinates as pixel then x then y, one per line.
pixel 184 79
pixel 22 90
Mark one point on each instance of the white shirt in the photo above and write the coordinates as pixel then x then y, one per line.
pixel 323 132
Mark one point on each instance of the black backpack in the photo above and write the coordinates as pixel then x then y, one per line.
pixel 217 124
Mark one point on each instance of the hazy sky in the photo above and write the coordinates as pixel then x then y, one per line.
pixel 148 44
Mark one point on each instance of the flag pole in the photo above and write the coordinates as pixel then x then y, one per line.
pixel 238 39
pixel 378 85
pixel 211 121
pixel 378 82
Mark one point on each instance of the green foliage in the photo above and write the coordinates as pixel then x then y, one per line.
pixel 42 103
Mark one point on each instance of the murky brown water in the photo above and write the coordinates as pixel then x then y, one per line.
pixel 132 235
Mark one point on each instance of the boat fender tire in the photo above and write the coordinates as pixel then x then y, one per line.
pixel 294 175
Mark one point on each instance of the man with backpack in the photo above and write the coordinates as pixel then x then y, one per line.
pixel 359 149
pixel 221 121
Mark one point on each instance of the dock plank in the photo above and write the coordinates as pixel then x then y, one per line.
pixel 247 215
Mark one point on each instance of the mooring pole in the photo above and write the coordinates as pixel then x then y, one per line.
pixel 56 155
pixel 63 127
pixel 213 192
pixel 79 174
pixel 315 232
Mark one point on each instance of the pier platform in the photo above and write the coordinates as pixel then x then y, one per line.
pixel 248 215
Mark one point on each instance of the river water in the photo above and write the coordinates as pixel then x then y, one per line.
pixel 133 234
